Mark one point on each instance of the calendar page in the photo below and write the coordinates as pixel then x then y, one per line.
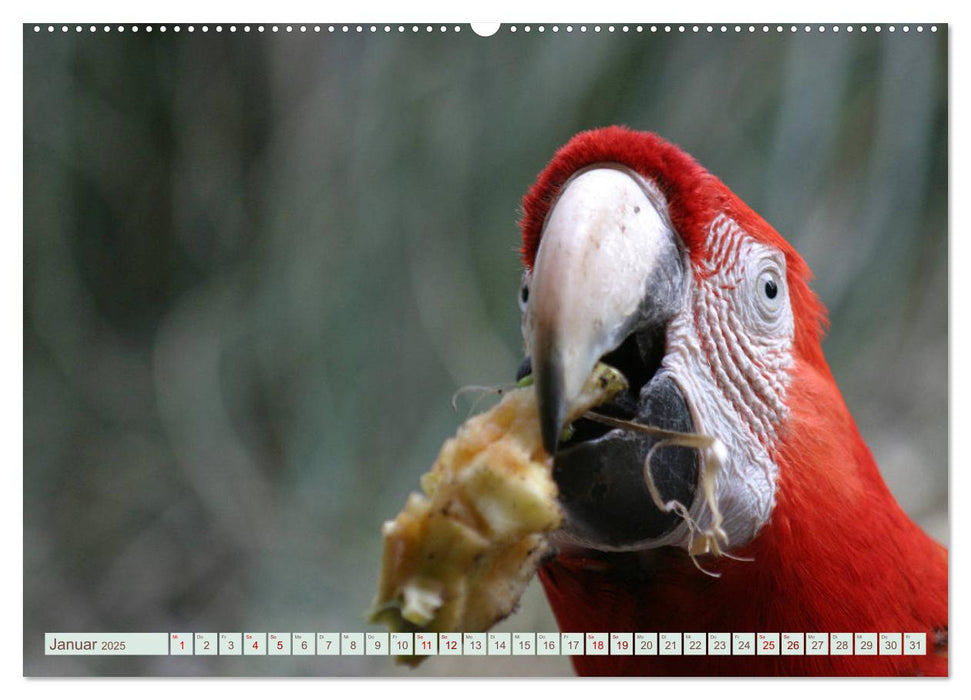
pixel 310 316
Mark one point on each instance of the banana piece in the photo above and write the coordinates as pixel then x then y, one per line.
pixel 460 555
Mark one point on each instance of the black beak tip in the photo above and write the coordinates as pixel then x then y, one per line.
pixel 551 435
pixel 552 410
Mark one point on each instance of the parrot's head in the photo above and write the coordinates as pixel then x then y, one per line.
pixel 635 255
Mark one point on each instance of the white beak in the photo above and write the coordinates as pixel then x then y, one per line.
pixel 608 258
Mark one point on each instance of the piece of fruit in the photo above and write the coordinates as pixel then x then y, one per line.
pixel 459 556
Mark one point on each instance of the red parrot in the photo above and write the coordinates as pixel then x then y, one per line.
pixel 636 255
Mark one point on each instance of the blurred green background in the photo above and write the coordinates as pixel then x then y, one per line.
pixel 257 266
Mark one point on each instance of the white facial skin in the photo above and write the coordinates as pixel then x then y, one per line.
pixel 729 350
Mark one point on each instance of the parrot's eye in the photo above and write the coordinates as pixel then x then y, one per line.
pixel 770 293
pixel 769 285
pixel 524 292
pixel 765 304
pixel 771 288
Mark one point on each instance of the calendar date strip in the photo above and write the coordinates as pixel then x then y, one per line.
pixel 486 644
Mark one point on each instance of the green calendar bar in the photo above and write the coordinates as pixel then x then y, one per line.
pixel 485 644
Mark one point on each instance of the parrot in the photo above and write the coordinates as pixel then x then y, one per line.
pixel 635 255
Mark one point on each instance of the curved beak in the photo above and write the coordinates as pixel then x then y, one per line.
pixel 608 265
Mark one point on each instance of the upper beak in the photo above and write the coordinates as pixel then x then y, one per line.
pixel 608 264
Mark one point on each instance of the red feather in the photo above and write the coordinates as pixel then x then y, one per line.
pixel 838 554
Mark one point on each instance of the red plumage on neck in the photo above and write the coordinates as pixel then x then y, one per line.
pixel 837 555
